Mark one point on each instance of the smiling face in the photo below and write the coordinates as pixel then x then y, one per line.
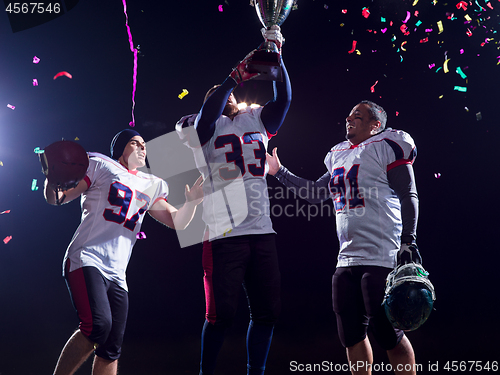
pixel 360 125
pixel 134 154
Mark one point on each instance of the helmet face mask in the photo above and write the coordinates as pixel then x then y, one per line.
pixel 409 296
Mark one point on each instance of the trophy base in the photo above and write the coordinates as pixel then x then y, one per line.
pixel 268 64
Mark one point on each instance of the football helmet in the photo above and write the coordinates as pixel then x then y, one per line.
pixel 409 296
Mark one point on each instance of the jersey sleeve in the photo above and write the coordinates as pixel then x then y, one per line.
pixel 398 148
pixel 161 191
pixel 186 131
pixel 95 169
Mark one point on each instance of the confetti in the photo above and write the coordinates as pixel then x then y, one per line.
pixel 134 50
pixel 440 26
pixel 425 40
pixel 7 239
pixel 460 88
pixel 365 12
pixel 344 11
pixel 397 113
pixel 437 175
pixel 402 44
pixel 415 3
pixel 5 212
pixel 63 74
pixel 33 185
pixel 1 163
pixel 372 89
pixel 11 106
pixel 467 17
pixel 220 8
pixel 462 5
pixel 404 29
pixel 38 151
pixel 326 6
pixel 183 93
pixel 36 60
pixel 479 116
pixel 408 15
pixel 77 139
pixel 445 66
pixel 353 46
pixel 227 231
pixel 140 235
pixel 462 74
pixel 35 82
pixel 468 32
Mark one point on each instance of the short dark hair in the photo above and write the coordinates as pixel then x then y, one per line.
pixel 376 112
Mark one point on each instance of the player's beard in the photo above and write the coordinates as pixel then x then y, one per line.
pixel 230 110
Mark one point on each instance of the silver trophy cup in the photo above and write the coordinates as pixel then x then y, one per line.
pixel 267 58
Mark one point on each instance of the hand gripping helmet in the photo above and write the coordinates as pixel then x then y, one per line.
pixel 409 296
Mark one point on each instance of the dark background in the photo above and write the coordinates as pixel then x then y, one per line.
pixel 190 44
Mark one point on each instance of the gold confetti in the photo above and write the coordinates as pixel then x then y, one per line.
pixel 183 93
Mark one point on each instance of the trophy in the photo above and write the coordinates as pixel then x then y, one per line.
pixel 267 58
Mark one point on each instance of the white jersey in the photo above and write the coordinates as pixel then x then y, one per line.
pixel 113 209
pixel 233 164
pixel 368 212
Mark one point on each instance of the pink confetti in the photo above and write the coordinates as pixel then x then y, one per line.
pixel 220 8
pixel 11 106
pixel 431 66
pixel 462 51
pixel 365 12
pixel 36 60
pixel 5 212
pixel 344 11
pixel 488 4
pixel 462 5
pixel 428 30
pixel 372 89
pixel 353 46
pixel 416 13
pixel 408 15
pixel 437 175
pixel 35 82
pixel 134 50
pixel 397 113
pixel 384 30
pixel 60 74
pixel 7 239
pixel 425 40
pixel 404 29
pixel 141 235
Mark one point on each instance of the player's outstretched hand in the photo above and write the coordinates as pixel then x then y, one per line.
pixel 241 73
pixel 408 253
pixel 273 161
pixel 273 34
pixel 195 193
